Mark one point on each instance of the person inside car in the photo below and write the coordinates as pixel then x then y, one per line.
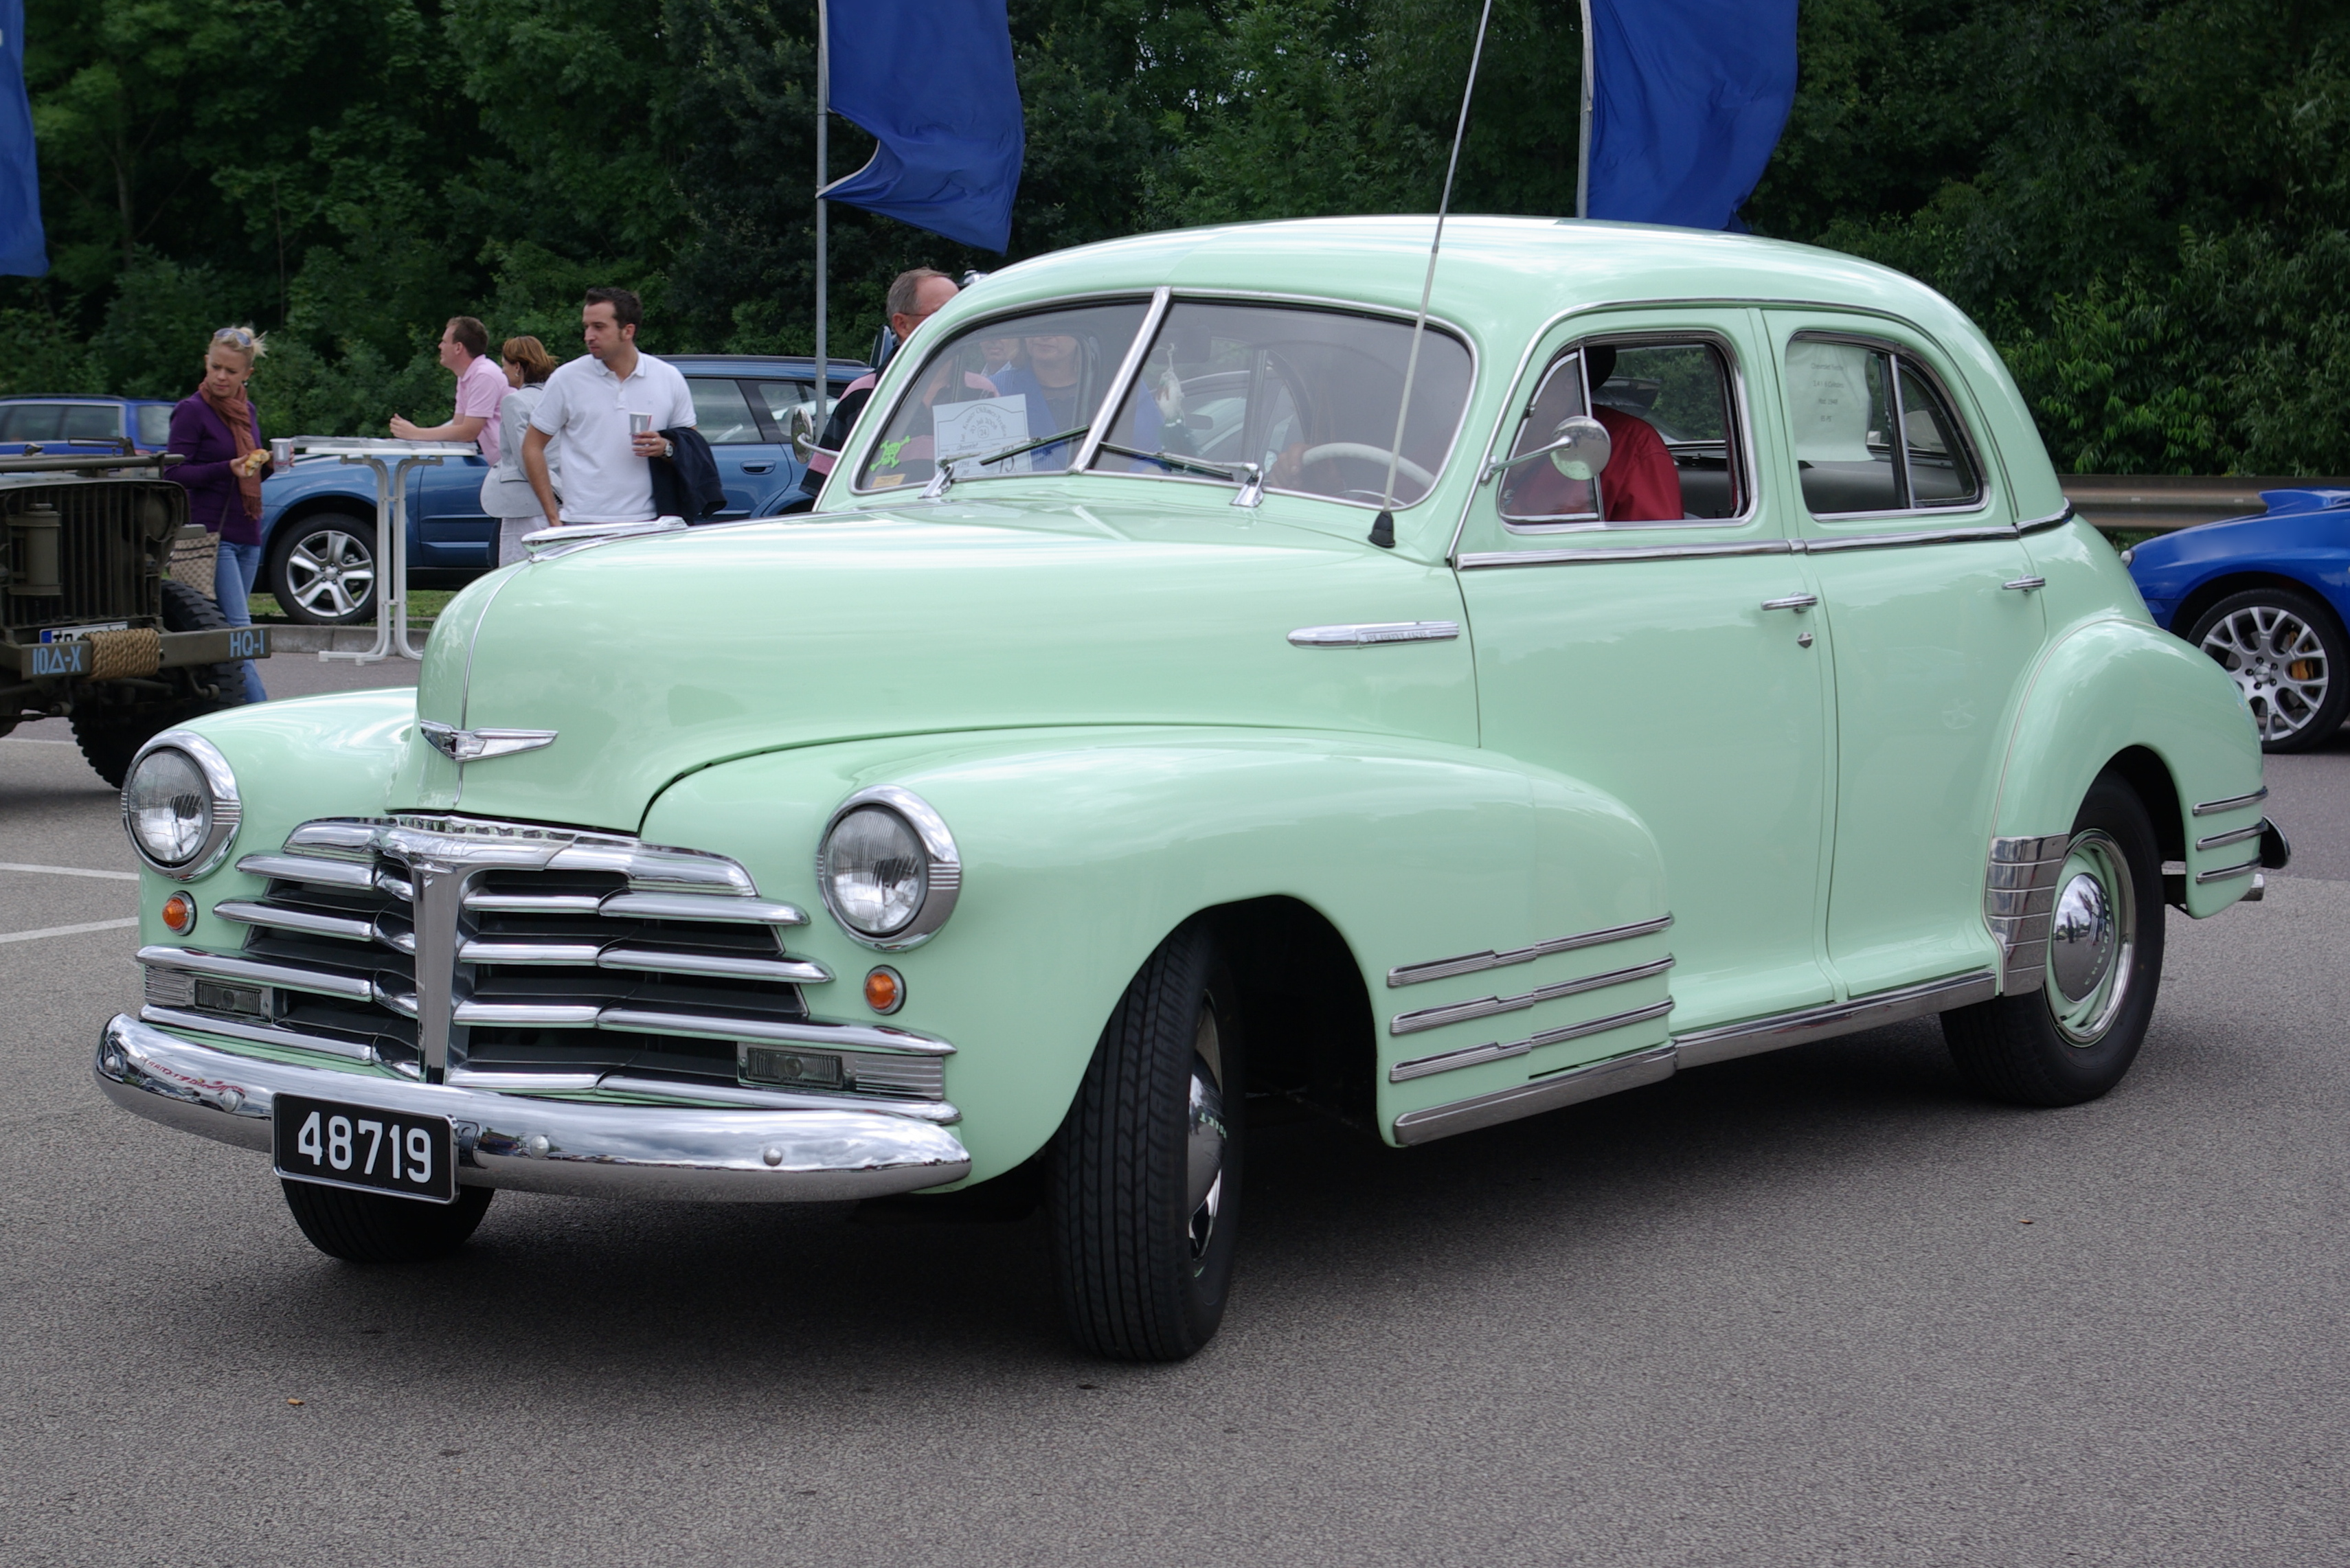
pixel 1641 483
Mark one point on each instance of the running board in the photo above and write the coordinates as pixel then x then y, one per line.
pixel 1698 1048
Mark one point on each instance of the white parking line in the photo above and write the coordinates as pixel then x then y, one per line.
pixel 67 931
pixel 72 871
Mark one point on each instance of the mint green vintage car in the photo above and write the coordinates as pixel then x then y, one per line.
pixel 1163 712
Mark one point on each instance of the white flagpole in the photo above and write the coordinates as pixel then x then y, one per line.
pixel 1385 525
pixel 1582 141
pixel 823 114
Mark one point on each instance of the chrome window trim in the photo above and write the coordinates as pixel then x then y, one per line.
pixel 2233 803
pixel 1972 533
pixel 1452 1012
pixel 1609 555
pixel 1473 963
pixel 1981 500
pixel 1741 430
pixel 1097 429
pixel 1339 308
pixel 945 880
pixel 228 807
pixel 2054 520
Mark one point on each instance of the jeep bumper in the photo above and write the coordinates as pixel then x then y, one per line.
pixel 576 1147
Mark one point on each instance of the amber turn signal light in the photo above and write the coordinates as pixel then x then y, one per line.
pixel 885 989
pixel 180 914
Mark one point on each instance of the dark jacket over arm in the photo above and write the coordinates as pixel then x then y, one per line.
pixel 685 483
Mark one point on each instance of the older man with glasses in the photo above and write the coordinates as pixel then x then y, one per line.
pixel 914 297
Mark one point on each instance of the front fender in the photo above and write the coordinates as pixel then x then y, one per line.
pixel 1082 849
pixel 2108 686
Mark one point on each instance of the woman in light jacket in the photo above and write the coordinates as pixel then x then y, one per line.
pixel 507 495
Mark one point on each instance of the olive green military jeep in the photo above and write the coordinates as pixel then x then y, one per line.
pixel 92 626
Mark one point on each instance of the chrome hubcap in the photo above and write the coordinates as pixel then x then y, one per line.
pixel 330 573
pixel 2092 938
pixel 2277 659
pixel 1206 1134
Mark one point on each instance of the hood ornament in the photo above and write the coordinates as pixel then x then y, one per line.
pixel 474 745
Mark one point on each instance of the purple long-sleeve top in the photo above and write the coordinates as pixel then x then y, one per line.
pixel 202 438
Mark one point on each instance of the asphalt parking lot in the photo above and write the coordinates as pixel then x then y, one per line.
pixel 1820 1307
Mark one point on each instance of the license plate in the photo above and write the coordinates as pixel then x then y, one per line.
pixel 362 1147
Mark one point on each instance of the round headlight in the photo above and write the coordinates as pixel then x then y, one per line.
pixel 179 805
pixel 888 869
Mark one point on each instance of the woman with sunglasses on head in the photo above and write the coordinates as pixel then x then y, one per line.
pixel 217 430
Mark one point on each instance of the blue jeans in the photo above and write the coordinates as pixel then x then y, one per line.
pixel 232 574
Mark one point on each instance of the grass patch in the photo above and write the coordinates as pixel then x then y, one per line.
pixel 423 604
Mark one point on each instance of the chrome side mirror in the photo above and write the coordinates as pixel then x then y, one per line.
pixel 801 427
pixel 1580 447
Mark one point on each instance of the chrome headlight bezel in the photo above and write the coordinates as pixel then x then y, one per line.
pixel 942 866
pixel 227 807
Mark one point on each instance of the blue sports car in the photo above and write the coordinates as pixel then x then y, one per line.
pixel 2268 598
pixel 318 518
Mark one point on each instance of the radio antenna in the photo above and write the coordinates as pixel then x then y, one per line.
pixel 1383 527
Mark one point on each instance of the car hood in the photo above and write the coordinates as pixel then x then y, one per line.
pixel 2296 521
pixel 651 657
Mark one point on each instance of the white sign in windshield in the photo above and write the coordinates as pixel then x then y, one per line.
pixel 989 424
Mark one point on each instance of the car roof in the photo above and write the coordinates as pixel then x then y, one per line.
pixel 766 364
pixel 76 398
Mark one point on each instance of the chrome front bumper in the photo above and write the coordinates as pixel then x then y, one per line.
pixel 570 1146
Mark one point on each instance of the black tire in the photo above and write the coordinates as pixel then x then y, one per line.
pixel 374 1228
pixel 111 732
pixel 1144 1262
pixel 2290 657
pixel 305 558
pixel 2046 1048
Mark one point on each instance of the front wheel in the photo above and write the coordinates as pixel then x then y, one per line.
pixel 1143 1194
pixel 323 569
pixel 376 1228
pixel 2073 1039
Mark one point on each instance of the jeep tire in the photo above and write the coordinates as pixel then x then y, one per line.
pixel 111 732
pixel 1142 1194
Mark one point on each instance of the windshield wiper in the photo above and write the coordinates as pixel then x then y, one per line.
pixel 1245 475
pixel 943 476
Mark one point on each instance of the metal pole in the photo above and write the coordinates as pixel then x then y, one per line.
pixel 1582 141
pixel 823 131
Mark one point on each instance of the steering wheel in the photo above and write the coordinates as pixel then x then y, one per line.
pixel 1367 454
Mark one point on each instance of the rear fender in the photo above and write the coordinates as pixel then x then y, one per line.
pixel 1082 850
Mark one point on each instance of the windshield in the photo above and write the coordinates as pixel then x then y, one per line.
pixel 1001 383
pixel 1307 396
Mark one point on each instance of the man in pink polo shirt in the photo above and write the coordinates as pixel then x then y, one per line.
pixel 480 385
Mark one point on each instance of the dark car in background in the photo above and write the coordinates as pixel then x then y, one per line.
pixel 2268 596
pixel 49 422
pixel 318 518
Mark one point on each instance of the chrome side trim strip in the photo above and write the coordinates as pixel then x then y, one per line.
pixel 1476 1055
pixel 2208 808
pixel 1729 1041
pixel 1487 1006
pixel 1370 634
pixel 2019 892
pixel 2228 873
pixel 2217 840
pixel 1573 1086
pixel 1609 555
pixel 1898 541
pixel 1470 963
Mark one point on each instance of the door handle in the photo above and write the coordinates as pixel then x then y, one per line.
pixel 2025 585
pixel 768 467
pixel 1799 603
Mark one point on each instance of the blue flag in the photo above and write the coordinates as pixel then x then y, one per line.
pixel 932 80
pixel 23 249
pixel 1689 98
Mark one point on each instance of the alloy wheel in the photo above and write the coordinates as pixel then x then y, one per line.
pixel 2092 938
pixel 330 573
pixel 2278 661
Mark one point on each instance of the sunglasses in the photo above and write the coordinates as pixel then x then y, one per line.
pixel 235 337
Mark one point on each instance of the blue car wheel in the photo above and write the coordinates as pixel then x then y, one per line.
pixel 2286 651
pixel 323 569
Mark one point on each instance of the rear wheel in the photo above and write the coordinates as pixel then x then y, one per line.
pixel 2288 655
pixel 1143 1194
pixel 2074 1038
pixel 323 569
pixel 371 1227
pixel 111 732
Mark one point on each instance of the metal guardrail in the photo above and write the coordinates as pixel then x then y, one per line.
pixel 2160 503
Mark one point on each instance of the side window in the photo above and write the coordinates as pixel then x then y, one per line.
pixel 721 413
pixel 1853 453
pixel 31 421
pixel 154 424
pixel 1672 420
pixel 782 396
pixel 92 421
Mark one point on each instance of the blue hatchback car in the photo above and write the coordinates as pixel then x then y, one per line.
pixel 318 518
pixel 2268 596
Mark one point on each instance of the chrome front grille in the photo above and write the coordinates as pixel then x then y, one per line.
pixel 530 959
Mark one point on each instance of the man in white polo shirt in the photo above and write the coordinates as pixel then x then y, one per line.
pixel 606 474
